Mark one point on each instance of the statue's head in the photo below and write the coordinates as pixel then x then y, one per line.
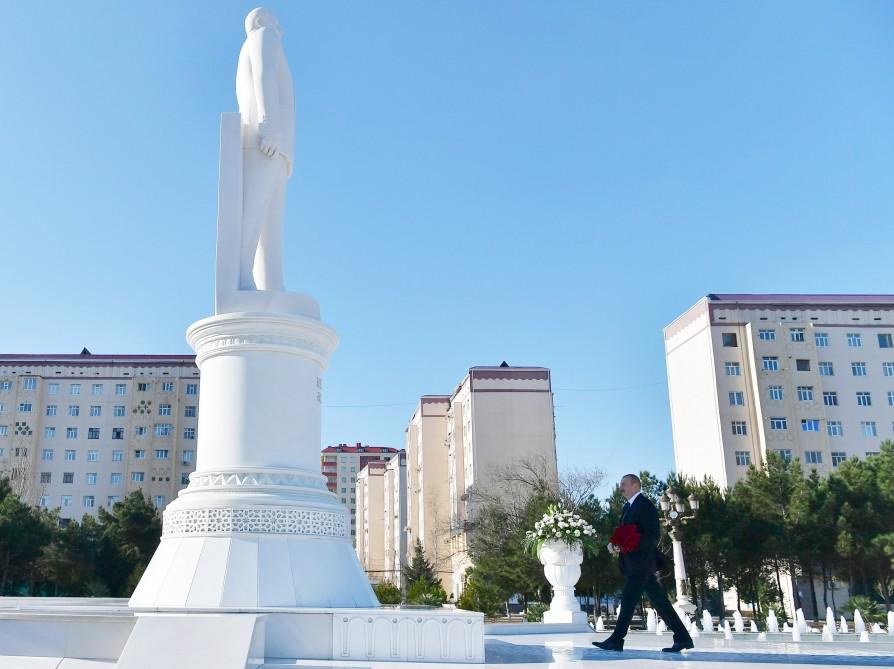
pixel 261 17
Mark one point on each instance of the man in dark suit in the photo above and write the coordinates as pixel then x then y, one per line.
pixel 638 568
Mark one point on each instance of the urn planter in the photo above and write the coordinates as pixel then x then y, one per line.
pixel 561 565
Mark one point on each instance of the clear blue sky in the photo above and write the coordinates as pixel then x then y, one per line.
pixel 543 183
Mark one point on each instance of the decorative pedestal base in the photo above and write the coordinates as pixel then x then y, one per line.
pixel 561 565
pixel 256 528
pixel 565 617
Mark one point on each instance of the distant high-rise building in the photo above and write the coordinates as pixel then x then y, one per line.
pixel 80 432
pixel 395 512
pixel 342 463
pixel 370 514
pixel 805 376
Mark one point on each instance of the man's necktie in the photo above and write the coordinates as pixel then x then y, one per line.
pixel 624 511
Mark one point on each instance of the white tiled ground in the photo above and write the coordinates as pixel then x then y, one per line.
pixel 642 651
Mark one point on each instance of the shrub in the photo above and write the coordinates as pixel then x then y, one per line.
pixel 387 593
pixel 534 614
pixel 870 610
pixel 480 596
pixel 425 594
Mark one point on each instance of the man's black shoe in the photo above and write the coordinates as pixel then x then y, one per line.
pixel 679 646
pixel 610 644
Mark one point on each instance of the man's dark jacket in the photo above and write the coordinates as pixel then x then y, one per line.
pixel 646 559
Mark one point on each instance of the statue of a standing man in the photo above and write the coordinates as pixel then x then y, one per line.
pixel 267 106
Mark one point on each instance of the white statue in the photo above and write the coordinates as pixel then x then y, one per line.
pixel 267 107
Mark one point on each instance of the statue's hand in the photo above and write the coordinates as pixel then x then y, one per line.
pixel 268 140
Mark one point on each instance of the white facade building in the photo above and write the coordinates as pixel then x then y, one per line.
pixel 80 432
pixel 806 376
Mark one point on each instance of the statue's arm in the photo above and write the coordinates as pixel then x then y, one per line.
pixel 263 51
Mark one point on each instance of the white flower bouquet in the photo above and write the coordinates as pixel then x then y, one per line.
pixel 559 524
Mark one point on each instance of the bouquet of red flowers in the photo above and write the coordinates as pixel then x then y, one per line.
pixel 625 537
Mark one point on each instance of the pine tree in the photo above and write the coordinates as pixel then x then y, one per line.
pixel 420 569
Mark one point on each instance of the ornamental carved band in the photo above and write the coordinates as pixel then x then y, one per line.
pixel 260 520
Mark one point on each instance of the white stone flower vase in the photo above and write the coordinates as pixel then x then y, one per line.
pixel 561 565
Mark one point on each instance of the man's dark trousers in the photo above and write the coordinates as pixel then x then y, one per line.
pixel 634 587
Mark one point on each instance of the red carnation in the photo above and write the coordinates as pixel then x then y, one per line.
pixel 625 537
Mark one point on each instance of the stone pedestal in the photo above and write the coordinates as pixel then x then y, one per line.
pixel 256 527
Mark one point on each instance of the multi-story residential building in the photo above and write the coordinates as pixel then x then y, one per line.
pixel 395 516
pixel 428 516
pixel 80 432
pixel 370 514
pixel 341 464
pixel 805 376
pixel 499 418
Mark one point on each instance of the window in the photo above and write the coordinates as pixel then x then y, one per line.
pixel 66 500
pixel 189 433
pixel 797 334
pixel 139 454
pixel 733 369
pixel 888 368
pixel 91 478
pixel 2 408
pixel 137 477
pixel 5 385
pixel 70 455
pixel 143 387
pixel 885 340
pixel 854 340
pixel 161 454
pixel 810 425
pixel 117 433
pixel 25 407
pixel 776 393
pixel 189 411
pixel 88 501
pixel 44 501
pixel 770 363
pixel 118 410
pixel 21 450
pixel 344 479
pixel 821 339
pixel 344 490
pixel 891 398
pixel 743 458
pixel 29 383
pixel 805 393
pixel 864 399
pixel 96 389
pixel 167 386
pixel 52 389
pixel 121 389
pixel 189 455
pixel 51 409
pixel 112 500
pixel 737 398
pixel 813 457
pixel 729 340
pixel 871 453
pixel 164 409
pixel 779 423
pixel 826 369
pixel 74 389
pixel 858 368
pixel 766 335
pixel 92 433
pixel 49 432
pixel 95 410
pixel 115 478
pixel 159 501
pixel 68 477
pixel 192 388
pixel 92 456
pixel 802 365
pixel 784 453
pixel 868 428
pixel 184 478
pixel 74 410
pixel 46 477
pixel 139 431
pixel 46 454
pixel 830 398
pixel 163 429
pixel 838 457
pixel 117 456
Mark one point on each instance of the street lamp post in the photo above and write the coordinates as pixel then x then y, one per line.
pixel 674 507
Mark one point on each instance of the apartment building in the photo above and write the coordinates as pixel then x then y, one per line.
pixel 395 517
pixel 497 418
pixel 80 432
pixel 340 466
pixel 370 514
pixel 805 376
